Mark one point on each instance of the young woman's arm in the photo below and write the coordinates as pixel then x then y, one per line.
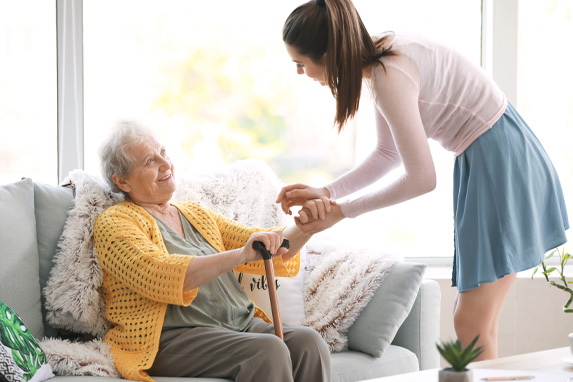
pixel 383 159
pixel 397 94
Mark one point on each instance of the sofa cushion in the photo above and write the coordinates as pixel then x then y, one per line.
pixel 375 328
pixel 339 284
pixel 356 366
pixel 89 378
pixel 51 204
pixel 19 270
pixel 21 358
pixel 420 332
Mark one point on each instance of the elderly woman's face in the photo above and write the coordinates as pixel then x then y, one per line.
pixel 151 178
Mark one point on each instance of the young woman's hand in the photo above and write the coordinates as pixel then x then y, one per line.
pixel 308 225
pixel 272 241
pixel 297 194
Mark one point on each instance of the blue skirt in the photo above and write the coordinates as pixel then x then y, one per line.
pixel 509 208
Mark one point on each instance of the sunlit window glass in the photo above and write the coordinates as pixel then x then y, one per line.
pixel 545 82
pixel 215 80
pixel 28 91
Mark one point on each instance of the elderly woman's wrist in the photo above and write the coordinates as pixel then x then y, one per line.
pixel 242 255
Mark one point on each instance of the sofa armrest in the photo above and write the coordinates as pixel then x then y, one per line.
pixel 420 332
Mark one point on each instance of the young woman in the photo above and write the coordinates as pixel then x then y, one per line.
pixel 508 203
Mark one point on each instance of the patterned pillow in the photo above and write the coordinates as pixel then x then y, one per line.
pixel 21 358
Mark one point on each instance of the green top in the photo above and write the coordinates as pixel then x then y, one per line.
pixel 221 302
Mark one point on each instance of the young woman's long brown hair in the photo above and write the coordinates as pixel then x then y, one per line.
pixel 334 27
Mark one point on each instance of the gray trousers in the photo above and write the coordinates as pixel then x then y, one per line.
pixel 254 354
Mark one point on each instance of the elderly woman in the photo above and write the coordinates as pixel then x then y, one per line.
pixel 171 296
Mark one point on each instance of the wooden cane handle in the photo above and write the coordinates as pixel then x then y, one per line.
pixel 268 261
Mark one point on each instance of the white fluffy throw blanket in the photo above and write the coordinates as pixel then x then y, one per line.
pixel 339 281
pixel 73 298
pixel 79 358
pixel 244 191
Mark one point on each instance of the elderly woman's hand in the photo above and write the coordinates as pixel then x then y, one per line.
pixel 272 241
pixel 315 209
pixel 308 224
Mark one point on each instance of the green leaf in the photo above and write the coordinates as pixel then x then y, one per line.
pixel 457 356
pixel 562 283
pixel 551 254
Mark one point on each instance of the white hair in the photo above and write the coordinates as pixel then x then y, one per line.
pixel 114 158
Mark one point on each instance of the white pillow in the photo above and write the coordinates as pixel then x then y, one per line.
pixel 289 293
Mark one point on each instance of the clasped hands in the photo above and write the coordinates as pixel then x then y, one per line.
pixel 318 212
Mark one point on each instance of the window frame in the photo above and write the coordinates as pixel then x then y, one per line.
pixel 69 31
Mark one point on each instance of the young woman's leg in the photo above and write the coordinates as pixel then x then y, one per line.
pixel 477 311
pixel 509 210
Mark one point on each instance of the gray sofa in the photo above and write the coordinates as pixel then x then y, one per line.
pixel 32 218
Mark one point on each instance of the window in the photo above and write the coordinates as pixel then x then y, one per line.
pixel 219 88
pixel 28 126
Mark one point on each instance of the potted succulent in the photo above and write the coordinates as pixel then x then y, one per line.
pixel 562 282
pixel 458 358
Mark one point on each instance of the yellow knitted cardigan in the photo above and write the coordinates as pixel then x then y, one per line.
pixel 141 278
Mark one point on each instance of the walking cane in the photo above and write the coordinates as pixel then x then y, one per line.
pixel 267 257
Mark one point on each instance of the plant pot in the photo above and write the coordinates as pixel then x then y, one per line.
pixel 451 375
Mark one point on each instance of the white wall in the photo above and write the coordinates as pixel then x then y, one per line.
pixel 532 318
